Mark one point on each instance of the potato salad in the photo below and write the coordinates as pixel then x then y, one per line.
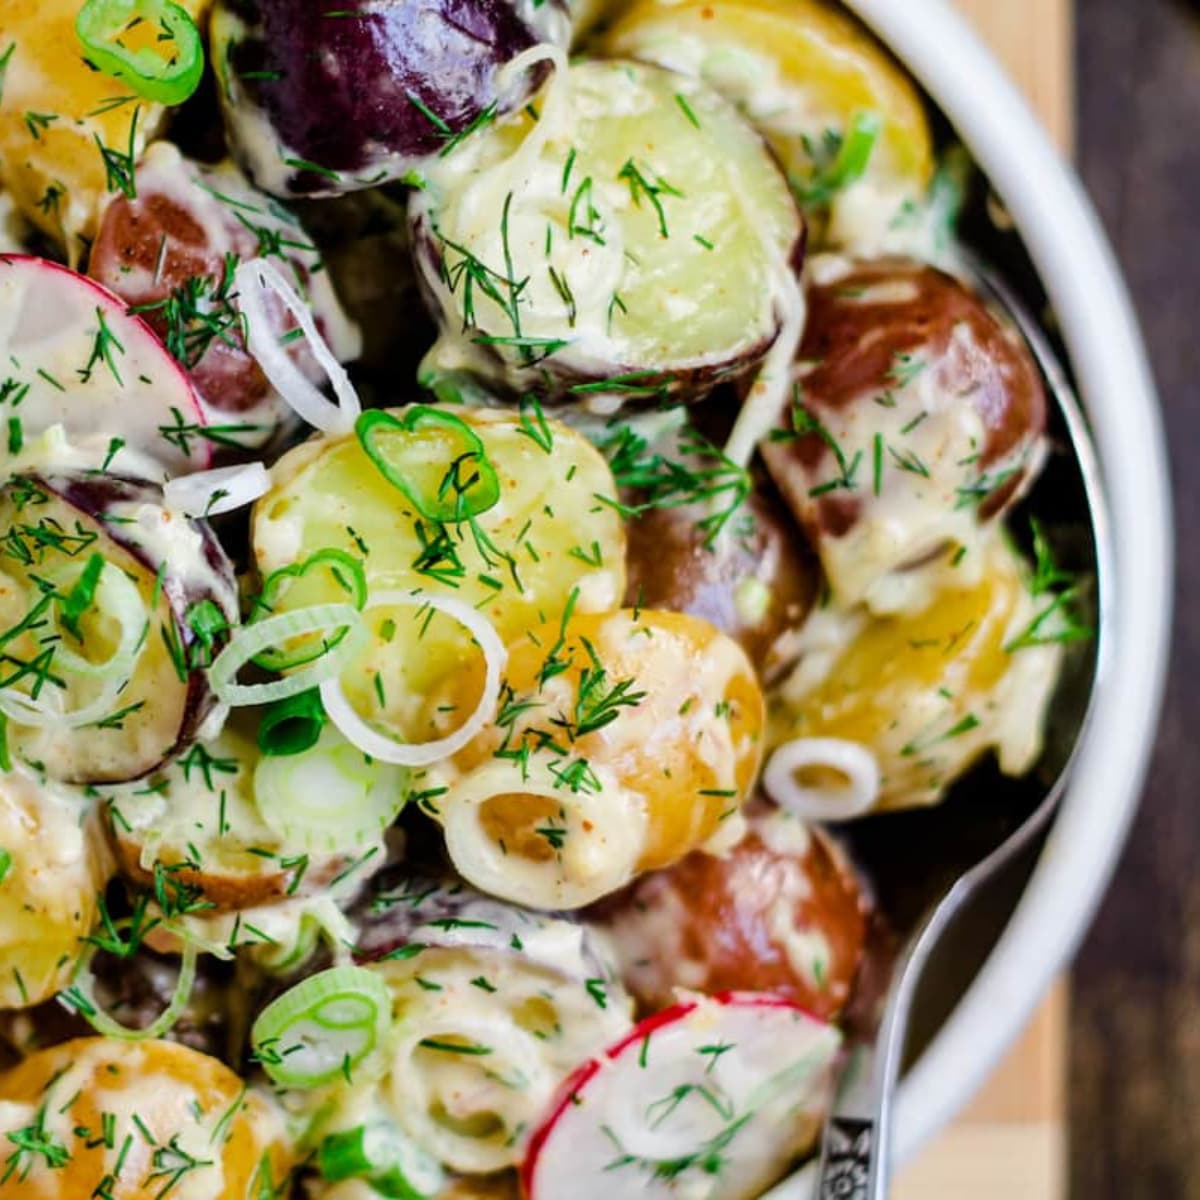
pixel 488 490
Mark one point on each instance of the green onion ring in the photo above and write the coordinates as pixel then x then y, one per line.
pixel 324 1027
pixel 291 726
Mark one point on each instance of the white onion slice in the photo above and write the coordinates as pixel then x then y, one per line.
pixel 254 279
pixel 834 803
pixel 209 493
pixel 423 754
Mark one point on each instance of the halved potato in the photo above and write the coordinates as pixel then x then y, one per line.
pixel 69 134
pixel 802 71
pixel 625 740
pixel 930 694
pixel 634 240
pixel 198 826
pixel 122 1119
pixel 550 534
pixel 56 867
pixel 167 572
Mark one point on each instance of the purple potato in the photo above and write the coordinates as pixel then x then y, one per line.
pixel 48 521
pixel 330 101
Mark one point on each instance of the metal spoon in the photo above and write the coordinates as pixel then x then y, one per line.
pixel 966 840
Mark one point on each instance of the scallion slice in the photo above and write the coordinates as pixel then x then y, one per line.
pixel 329 797
pixel 323 1028
pixel 393 1165
pixel 291 726
pixel 463 487
pixel 343 620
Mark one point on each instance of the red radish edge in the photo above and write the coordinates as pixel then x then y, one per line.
pixel 114 302
pixel 582 1075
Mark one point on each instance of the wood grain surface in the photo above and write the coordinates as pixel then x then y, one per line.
pixel 1010 1144
pixel 1135 1061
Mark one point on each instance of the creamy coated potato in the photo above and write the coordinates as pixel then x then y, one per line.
pixel 804 73
pixel 135 1121
pixel 929 694
pixel 624 741
pixel 917 417
pixel 53 108
pixel 782 912
pixel 57 867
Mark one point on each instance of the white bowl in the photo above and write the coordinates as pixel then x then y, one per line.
pixel 1077 268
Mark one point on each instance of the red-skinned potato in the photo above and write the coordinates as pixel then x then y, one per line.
pixel 917 415
pixel 323 101
pixel 161 573
pixel 736 560
pixel 168 250
pixel 782 912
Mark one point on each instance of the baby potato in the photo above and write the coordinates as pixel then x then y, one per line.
pixel 625 740
pixel 802 71
pixel 548 534
pixel 918 416
pixel 198 826
pixel 782 912
pixel 56 868
pixel 136 1121
pixel 634 241
pixel 54 109
pixel 929 694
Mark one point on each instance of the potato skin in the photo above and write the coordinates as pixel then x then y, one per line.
pixel 349 91
pixel 176 230
pixel 741 921
pixel 48 895
pixel 854 344
pixel 182 1097
pixel 755 581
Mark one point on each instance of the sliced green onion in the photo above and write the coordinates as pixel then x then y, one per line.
pixel 291 726
pixel 251 640
pixel 348 574
pixel 323 1028
pixel 6 862
pixel 167 69
pixel 379 1153
pixel 851 162
pixel 113 594
pixel 330 797
pixel 439 491
pixel 80 997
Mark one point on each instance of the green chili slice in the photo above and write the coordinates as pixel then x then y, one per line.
pixel 151 45
pixel 465 487
pixel 349 579
pixel 291 726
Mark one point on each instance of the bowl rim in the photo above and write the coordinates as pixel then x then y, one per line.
pixel 1079 271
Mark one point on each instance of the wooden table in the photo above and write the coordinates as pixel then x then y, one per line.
pixel 1135 1051
pixel 1011 1143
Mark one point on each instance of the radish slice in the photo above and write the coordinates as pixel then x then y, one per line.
pixel 710 1099
pixel 71 355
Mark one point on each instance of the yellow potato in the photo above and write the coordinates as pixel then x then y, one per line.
pixel 625 741
pixel 550 521
pixel 53 107
pixel 928 694
pixel 48 892
pixel 123 1119
pixel 799 69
